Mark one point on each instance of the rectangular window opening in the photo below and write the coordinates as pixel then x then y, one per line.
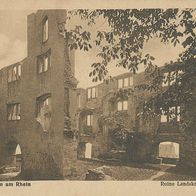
pixel 92 93
pixel 125 105
pixel 163 116
pixel 89 120
pixel 126 82
pixel 45 30
pixel 122 105
pixel 89 93
pixel 172 77
pixel 120 83
pixel 14 73
pixel 119 106
pixel 13 111
pixel 79 103
pixel 44 62
pixel 165 79
pixel 173 114
pixel 43 105
pixel 130 81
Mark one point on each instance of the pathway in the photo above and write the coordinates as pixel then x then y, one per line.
pixel 164 168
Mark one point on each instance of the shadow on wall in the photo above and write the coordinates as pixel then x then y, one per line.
pixel 41 166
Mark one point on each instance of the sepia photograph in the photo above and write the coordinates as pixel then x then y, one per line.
pixel 98 95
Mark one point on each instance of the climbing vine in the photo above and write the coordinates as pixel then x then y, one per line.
pixel 121 94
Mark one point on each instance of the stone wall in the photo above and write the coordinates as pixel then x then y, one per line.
pixel 42 151
pixel 154 131
pixel 70 156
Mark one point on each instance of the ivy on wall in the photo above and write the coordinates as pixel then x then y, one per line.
pixel 118 118
pixel 121 94
pixel 87 130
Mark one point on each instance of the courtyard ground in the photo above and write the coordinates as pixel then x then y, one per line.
pixel 122 171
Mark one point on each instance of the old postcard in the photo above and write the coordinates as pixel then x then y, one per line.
pixel 98 98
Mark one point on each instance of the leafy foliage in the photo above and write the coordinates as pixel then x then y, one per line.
pixel 114 120
pixel 138 147
pixel 87 130
pixel 121 94
pixel 129 30
pixel 119 136
pixel 123 43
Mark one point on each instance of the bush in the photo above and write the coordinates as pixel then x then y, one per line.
pixel 119 136
pixel 139 146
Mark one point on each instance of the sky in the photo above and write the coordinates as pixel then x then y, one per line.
pixel 13 47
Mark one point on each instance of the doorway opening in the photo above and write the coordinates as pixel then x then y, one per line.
pixel 88 150
pixel 14 158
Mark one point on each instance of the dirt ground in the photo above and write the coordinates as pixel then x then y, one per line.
pixel 126 172
pixel 133 172
pixel 119 172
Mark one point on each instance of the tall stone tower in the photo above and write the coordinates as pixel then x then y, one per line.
pixel 40 96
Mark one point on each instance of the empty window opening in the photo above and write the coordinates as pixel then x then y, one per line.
pixel 125 82
pixel 45 30
pixel 169 78
pixel 130 81
pixel 122 105
pixel 120 83
pixel 13 111
pixel 43 111
pixel 172 78
pixel 14 73
pixel 92 93
pixel 89 120
pixel 44 62
pixel 79 100
pixel 173 114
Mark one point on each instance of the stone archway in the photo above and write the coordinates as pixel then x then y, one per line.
pixel 172 147
pixel 169 150
pixel 14 156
